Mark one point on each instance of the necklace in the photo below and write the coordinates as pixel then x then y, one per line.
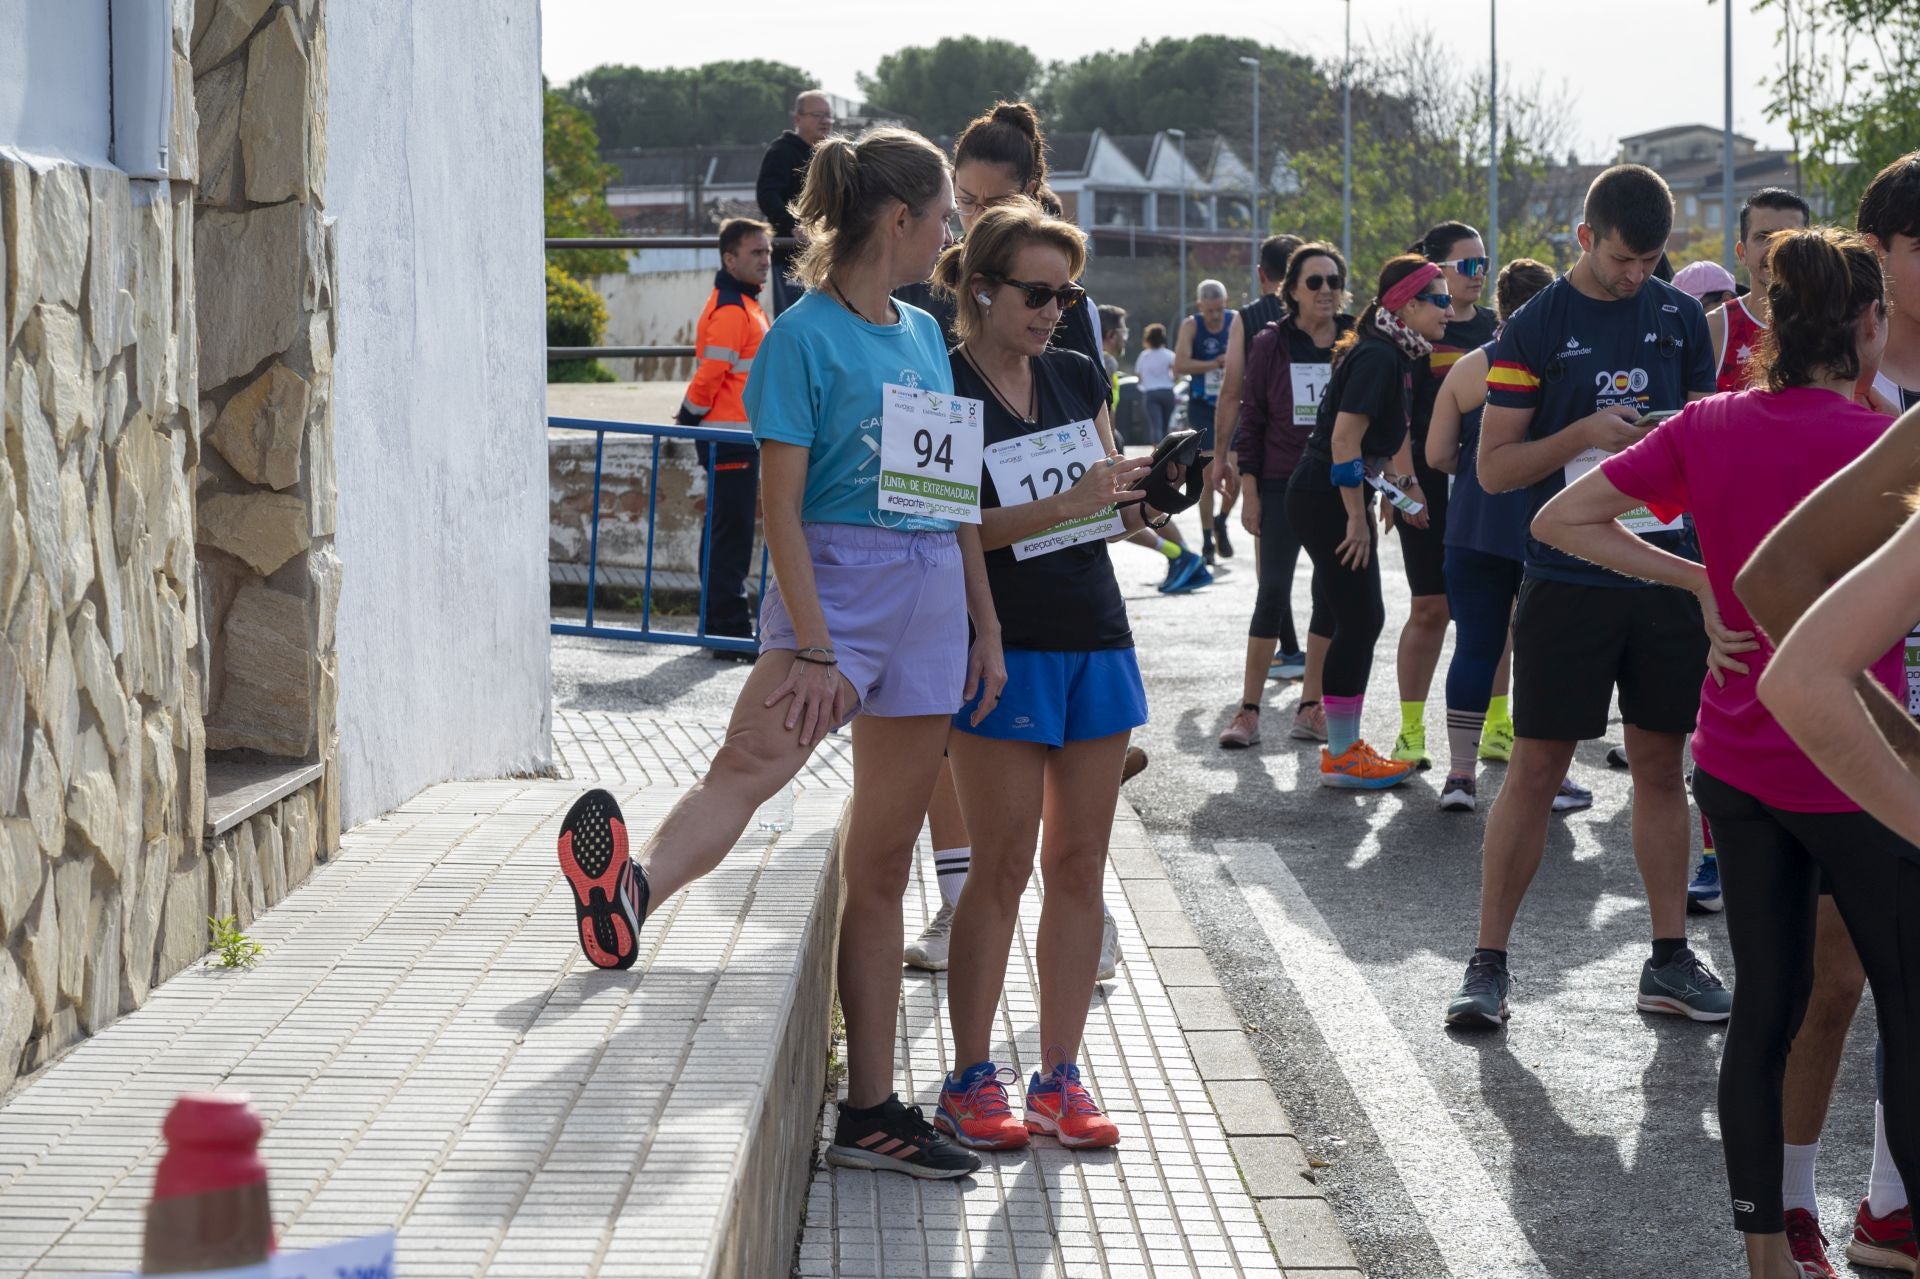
pixel 843 302
pixel 1032 415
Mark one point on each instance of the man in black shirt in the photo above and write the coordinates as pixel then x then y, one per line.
pixel 1275 252
pixel 783 171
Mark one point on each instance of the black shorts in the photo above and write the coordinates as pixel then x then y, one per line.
pixel 1572 644
pixel 1423 551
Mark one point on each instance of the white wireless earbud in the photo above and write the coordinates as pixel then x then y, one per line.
pixel 983 299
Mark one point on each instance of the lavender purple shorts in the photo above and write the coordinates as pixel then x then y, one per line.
pixel 896 608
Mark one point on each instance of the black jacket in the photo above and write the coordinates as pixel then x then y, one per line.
pixel 783 171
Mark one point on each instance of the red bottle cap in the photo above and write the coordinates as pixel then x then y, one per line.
pixel 213 1143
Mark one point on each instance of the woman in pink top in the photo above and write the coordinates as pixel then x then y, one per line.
pixel 1740 463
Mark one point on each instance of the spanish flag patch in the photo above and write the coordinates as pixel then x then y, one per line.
pixel 1509 376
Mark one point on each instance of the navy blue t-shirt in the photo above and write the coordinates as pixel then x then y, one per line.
pixel 1491 523
pixel 1565 356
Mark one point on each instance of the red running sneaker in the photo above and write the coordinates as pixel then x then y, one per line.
pixel 1061 1107
pixel 973 1110
pixel 1886 1241
pixel 1808 1245
pixel 609 891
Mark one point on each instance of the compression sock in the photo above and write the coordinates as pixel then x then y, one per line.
pixel 1665 948
pixel 1343 722
pixel 1885 1191
pixel 1796 1178
pixel 1497 711
pixel 1463 741
pixel 1170 549
pixel 951 864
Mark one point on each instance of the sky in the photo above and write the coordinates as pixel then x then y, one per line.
pixel 1647 64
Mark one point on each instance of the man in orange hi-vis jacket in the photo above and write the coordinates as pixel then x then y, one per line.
pixel 730 329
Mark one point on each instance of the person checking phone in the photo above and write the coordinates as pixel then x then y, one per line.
pixel 1572 374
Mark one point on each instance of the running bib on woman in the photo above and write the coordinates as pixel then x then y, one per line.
pixel 1639 520
pixel 1309 384
pixel 930 454
pixel 1913 672
pixel 1030 467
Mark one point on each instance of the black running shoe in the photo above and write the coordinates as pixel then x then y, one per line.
pixel 609 889
pixel 896 1137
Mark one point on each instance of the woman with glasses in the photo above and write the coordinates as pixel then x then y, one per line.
pixel 1288 369
pixel 1458 251
pixel 1053 746
pixel 1360 445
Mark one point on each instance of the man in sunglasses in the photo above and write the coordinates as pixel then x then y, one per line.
pixel 1572 376
pixel 783 171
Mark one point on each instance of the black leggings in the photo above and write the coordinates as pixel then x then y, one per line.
pixel 1279 554
pixel 1770 868
pixel 1351 596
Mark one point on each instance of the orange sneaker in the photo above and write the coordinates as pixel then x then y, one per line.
pixel 1360 767
pixel 1061 1107
pixel 973 1109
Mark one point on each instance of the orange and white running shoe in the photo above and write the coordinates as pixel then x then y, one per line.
pixel 609 890
pixel 1360 767
pixel 1061 1107
pixel 973 1109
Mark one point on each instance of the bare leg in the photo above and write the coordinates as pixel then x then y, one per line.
pixel 1080 797
pixel 1001 784
pixel 1253 685
pixel 1503 673
pixel 1317 646
pixel 1662 831
pixel 1516 836
pixel 945 826
pixel 1814 1062
pixel 894 763
pixel 760 755
pixel 1768 1256
pixel 1420 642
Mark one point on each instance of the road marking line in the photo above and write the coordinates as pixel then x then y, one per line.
pixel 1467 1217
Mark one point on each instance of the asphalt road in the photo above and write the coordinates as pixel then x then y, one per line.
pixel 1582 1141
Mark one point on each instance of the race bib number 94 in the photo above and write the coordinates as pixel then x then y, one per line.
pixel 1030 467
pixel 930 454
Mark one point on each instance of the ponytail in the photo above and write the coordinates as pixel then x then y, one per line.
pixel 1010 136
pixel 850 183
pixel 1823 280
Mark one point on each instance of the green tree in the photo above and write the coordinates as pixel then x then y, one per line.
pixel 576 316
pixel 944 85
pixel 1197 84
pixel 1848 90
pixel 719 104
pixel 576 188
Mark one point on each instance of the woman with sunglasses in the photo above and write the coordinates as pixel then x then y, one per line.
pixel 1458 251
pixel 1360 443
pixel 1054 745
pixel 1287 372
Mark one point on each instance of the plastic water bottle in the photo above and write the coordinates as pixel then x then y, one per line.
pixel 777 812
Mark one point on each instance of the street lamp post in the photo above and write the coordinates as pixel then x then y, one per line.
pixel 1727 224
pixel 1346 142
pixel 1493 130
pixel 1259 177
pixel 1181 135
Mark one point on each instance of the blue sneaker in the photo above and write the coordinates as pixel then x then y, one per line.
pixel 1685 988
pixel 1571 798
pixel 1176 567
pixel 1191 573
pixel 1481 1001
pixel 1703 894
pixel 1288 666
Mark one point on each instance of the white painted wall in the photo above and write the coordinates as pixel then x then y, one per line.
pixel 439 394
pixel 53 78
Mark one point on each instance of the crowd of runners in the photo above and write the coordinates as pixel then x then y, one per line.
pixel 1612 484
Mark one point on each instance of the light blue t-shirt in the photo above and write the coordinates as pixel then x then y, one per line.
pixel 816 382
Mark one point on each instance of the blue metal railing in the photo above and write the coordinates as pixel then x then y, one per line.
pixel 646 631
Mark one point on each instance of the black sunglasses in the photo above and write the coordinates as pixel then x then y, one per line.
pixel 1315 282
pixel 1442 300
pixel 1038 295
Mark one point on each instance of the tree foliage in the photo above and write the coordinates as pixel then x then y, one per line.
pixel 1197 84
pixel 944 85
pixel 576 188
pixel 1419 156
pixel 1848 89
pixel 719 104
pixel 576 316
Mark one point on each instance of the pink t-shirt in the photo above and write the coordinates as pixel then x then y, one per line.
pixel 1740 463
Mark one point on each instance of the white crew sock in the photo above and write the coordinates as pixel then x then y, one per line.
pixel 951 865
pixel 1885 1191
pixel 1796 1178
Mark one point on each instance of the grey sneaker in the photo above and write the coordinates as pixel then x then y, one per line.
pixel 1686 988
pixel 929 950
pixel 1109 947
pixel 1482 999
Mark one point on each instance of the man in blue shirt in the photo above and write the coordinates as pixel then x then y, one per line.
pixel 1573 376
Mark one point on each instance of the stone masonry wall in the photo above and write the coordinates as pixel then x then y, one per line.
pixel 100 682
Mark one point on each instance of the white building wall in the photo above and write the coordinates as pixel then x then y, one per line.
pixel 440 394
pixel 54 100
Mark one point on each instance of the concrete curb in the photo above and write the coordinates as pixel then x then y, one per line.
pixel 1300 1225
